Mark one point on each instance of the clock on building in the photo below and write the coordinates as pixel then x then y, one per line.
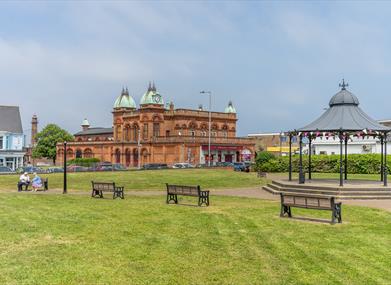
pixel 156 98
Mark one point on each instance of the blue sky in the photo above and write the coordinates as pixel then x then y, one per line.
pixel 279 62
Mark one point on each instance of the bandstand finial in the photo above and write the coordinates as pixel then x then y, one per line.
pixel 343 85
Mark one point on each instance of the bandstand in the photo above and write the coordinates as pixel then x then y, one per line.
pixel 344 119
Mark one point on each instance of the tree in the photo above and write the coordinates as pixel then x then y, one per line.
pixel 47 140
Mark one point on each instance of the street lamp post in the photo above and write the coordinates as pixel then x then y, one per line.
pixel 210 122
pixel 138 151
pixel 65 168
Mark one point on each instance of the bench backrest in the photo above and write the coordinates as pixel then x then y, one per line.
pixel 304 201
pixel 183 190
pixel 103 186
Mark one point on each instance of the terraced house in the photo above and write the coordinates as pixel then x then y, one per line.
pixel 11 137
pixel 156 132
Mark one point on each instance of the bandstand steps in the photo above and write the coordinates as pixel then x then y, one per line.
pixel 270 190
pixel 327 188
pixel 337 192
pixel 340 193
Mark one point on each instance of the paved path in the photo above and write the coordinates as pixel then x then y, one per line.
pixel 257 193
pixel 262 194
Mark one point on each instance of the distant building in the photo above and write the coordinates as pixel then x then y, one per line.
pixel 277 143
pixel 158 133
pixel 357 145
pixel 11 137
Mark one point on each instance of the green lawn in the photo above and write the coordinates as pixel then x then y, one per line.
pixel 74 239
pixel 147 180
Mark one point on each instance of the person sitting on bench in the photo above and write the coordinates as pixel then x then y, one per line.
pixel 24 180
pixel 36 183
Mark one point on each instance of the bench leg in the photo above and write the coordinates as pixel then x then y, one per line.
pixel 93 194
pixel 203 200
pixel 336 214
pixel 121 195
pixel 172 197
pixel 285 210
pixel 100 194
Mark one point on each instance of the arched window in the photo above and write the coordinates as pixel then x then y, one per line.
pixel 127 133
pixel 127 157
pixel 117 156
pixel 79 153
pixel 60 152
pixel 88 153
pixel 69 153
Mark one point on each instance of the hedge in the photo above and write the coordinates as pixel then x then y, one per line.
pixel 357 163
pixel 87 162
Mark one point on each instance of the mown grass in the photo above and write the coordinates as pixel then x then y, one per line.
pixel 59 239
pixel 147 180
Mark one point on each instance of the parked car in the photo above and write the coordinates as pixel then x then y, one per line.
pixel 76 168
pixel 182 165
pixel 241 166
pixel 55 170
pixel 118 166
pixel 5 169
pixel 154 166
pixel 30 170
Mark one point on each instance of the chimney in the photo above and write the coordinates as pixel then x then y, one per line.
pixel 34 130
pixel 171 106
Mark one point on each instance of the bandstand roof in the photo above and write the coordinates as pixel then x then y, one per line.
pixel 344 114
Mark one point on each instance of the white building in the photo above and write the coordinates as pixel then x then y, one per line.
pixel 322 145
pixel 11 137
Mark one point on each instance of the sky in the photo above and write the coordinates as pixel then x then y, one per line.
pixel 279 62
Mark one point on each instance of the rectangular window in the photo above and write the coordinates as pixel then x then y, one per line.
pixel 156 129
pixel 1 143
pixel 145 131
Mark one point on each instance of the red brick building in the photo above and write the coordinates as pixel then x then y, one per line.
pixel 159 133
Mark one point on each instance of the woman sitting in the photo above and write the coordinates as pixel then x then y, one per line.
pixel 37 182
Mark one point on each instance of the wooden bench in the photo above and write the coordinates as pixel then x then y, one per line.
pixel 99 187
pixel 45 185
pixel 261 174
pixel 311 202
pixel 195 191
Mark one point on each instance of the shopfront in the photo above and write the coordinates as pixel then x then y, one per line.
pixel 220 153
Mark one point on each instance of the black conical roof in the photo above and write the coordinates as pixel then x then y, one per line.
pixel 344 114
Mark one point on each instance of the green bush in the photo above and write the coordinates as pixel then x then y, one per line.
pixel 263 157
pixel 357 163
pixel 87 162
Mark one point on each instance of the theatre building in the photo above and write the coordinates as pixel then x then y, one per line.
pixel 158 133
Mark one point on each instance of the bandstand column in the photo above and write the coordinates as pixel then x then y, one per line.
pixel 309 157
pixel 301 174
pixel 346 157
pixel 340 159
pixel 290 156
pixel 381 158
pixel 385 160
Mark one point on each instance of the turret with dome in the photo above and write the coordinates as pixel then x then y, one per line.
pixel 125 101
pixel 151 97
pixel 230 108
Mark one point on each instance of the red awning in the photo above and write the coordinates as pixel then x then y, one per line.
pixel 222 148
